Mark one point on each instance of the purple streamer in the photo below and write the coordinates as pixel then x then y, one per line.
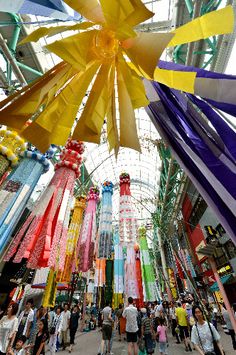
pixel 172 121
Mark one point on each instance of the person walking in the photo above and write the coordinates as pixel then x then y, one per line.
pixel 8 328
pixel 182 321
pixel 74 322
pixel 118 317
pixel 147 331
pixel 41 338
pixel 131 314
pixel 25 320
pixel 54 330
pixel 162 335
pixel 65 323
pixel 229 325
pixel 204 335
pixel 173 322
pixel 106 328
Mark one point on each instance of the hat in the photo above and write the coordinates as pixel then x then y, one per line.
pixel 143 310
pixel 188 306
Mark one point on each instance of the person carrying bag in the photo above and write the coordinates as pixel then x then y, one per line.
pixel 204 335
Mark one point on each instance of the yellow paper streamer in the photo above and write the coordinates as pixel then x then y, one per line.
pixel 214 23
pixel 75 49
pixel 100 51
pixel 127 117
pixel 145 50
pixel 53 125
pixel 176 79
pixel 52 31
pixel 49 296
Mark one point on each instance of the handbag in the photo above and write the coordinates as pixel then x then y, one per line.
pixel 215 344
pixel 141 345
pixel 52 330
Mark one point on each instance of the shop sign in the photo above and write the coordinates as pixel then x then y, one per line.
pixel 201 245
pixel 225 269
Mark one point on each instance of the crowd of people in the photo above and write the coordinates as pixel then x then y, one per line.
pixel 28 332
pixel 191 324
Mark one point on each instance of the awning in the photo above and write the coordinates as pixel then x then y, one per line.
pixel 60 286
pixel 224 279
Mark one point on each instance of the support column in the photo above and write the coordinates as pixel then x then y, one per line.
pixel 164 267
pixel 223 293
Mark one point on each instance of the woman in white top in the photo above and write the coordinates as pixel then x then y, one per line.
pixel 54 330
pixel 8 328
pixel 204 334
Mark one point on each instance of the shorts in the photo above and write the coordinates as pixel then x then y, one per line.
pixel 163 348
pixel 183 331
pixel 132 337
pixel 106 332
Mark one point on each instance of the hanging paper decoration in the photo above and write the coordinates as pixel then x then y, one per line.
pixel 17 189
pixel 71 262
pixel 140 301
pixel 100 273
pixel 131 282
pixel 172 283
pixel 148 274
pixel 118 265
pixel 42 238
pixel 128 234
pixel 109 280
pixel 100 50
pixel 127 222
pixel 11 145
pixel 88 232
pixel 49 296
pixel 105 225
pixel 205 150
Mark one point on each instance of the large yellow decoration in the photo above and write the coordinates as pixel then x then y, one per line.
pixel 106 60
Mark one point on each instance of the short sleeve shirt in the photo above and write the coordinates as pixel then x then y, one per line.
pixel 181 314
pixel 201 336
pixel 106 312
pixel 161 329
pixel 131 315
pixel 65 320
pixel 7 328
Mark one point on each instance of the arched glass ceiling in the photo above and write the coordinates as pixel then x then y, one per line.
pixel 144 168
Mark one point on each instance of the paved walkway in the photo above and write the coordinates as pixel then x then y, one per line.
pixel 88 344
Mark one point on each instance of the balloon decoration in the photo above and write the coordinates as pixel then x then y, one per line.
pixel 108 53
pixel 11 145
pixel 88 232
pixel 43 237
pixel 105 225
pixel 17 189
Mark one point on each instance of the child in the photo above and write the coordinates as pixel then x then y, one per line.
pixel 41 338
pixel 163 341
pixel 19 347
